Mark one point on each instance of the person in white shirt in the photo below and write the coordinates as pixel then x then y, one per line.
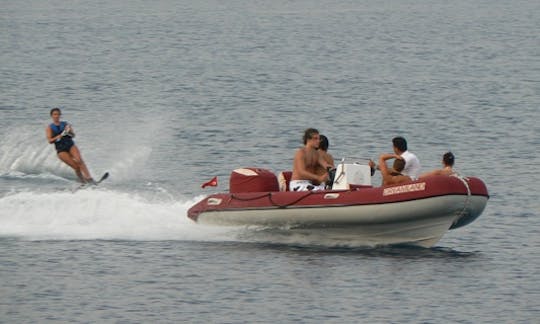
pixel 412 164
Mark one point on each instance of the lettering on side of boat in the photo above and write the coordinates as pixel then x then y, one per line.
pixel 421 186
pixel 213 201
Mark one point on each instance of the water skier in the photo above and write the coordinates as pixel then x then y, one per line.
pixel 61 134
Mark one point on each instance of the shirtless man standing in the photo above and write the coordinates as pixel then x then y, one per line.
pixel 306 162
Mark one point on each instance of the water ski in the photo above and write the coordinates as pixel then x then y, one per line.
pixel 103 177
pixel 95 183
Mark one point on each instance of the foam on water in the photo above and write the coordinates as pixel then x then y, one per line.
pixel 100 214
pixel 28 154
pixel 103 214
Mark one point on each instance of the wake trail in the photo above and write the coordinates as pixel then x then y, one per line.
pixel 100 214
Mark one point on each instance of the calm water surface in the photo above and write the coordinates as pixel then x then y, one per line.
pixel 169 94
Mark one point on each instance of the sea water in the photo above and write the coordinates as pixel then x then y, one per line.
pixel 166 95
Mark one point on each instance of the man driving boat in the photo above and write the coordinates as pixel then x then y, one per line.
pixel 307 160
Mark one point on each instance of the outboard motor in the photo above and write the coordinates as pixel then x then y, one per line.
pixel 252 180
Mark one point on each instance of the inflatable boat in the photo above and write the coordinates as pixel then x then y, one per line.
pixel 415 213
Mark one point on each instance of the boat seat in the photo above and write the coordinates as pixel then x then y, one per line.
pixel 284 178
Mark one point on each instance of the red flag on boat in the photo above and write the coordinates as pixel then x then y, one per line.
pixel 212 183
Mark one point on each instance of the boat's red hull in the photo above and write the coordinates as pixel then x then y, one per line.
pixel 417 213
pixel 421 189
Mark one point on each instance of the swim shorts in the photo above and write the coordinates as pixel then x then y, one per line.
pixel 305 185
pixel 64 144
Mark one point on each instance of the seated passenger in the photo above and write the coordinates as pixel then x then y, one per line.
pixel 328 158
pixel 323 150
pixel 394 175
pixel 412 164
pixel 307 160
pixel 448 164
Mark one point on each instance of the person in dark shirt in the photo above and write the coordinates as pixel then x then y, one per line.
pixel 61 134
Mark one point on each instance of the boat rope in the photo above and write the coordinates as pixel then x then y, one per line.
pixel 251 198
pixel 465 181
pixel 269 195
pixel 292 202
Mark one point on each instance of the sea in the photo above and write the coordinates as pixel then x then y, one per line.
pixel 164 95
